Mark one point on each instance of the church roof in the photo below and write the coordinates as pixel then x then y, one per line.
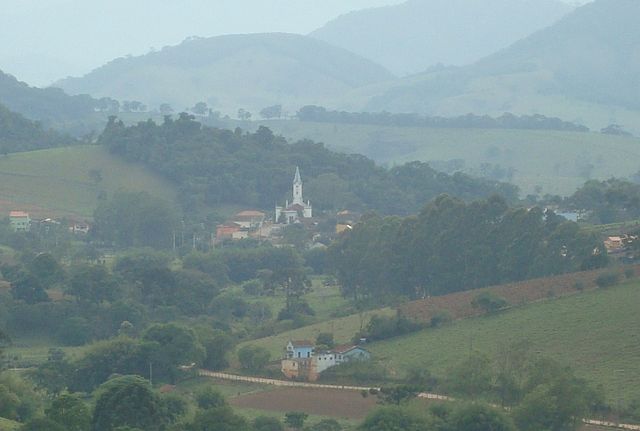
pixel 297 178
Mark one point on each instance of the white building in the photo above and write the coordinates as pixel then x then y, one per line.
pixel 299 209
pixel 20 221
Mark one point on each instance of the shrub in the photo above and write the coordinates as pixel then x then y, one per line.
pixel 579 286
pixel 382 327
pixel 607 279
pixel 629 273
pixel 441 318
pixel 253 358
pixel 489 302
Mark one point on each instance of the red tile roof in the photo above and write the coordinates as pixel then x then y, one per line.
pixel 18 214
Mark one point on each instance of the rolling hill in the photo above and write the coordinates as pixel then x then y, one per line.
pixel 56 182
pixel 576 156
pixel 583 69
pixel 231 72
pixel 595 331
pixel 418 34
pixel 48 105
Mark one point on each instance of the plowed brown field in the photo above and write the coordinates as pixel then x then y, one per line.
pixel 333 403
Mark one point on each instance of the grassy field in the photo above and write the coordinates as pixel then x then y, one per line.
pixel 7 425
pixel 527 151
pixel 597 333
pixel 56 182
pixel 343 330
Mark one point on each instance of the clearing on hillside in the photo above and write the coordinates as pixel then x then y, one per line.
pixel 67 181
pixel 597 333
pixel 576 156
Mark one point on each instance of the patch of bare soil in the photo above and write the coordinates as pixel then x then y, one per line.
pixel 321 402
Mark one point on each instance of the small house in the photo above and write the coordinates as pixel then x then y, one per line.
pixel 300 349
pixel 20 221
pixel 303 362
pixel 249 219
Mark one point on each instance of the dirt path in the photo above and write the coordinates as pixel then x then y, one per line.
pixel 333 388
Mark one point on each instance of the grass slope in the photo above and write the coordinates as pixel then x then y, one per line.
pixel 8 425
pixel 56 182
pixel 526 151
pixel 343 329
pixel 598 333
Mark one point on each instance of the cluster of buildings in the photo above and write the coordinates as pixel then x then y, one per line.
pixel 302 361
pixel 20 221
pixel 262 226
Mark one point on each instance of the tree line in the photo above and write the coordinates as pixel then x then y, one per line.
pixel 215 166
pixel 19 134
pixel 452 246
pixel 469 121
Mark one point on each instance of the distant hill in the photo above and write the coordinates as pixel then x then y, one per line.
pixel 418 34
pixel 585 69
pixel 48 105
pixel 232 72
pixel 20 134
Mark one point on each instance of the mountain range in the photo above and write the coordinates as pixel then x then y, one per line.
pixel 231 72
pixel 585 68
pixel 418 34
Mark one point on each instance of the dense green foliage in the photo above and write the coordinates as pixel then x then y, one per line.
pixel 452 246
pixel 20 134
pixel 609 201
pixel 213 167
pixel 469 121
pixel 131 219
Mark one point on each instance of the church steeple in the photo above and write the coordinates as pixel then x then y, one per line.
pixel 297 179
pixel 297 188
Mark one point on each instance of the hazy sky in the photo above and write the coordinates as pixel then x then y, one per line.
pixel 45 40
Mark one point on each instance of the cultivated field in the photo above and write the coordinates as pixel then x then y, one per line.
pixel 320 402
pixel 597 333
pixel 56 182
pixel 576 156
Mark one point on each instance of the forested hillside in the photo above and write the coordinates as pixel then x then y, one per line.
pixel 231 72
pixel 19 134
pixel 417 34
pixel 49 105
pixel 215 166
pixel 452 246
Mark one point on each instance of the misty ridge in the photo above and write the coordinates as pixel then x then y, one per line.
pixel 346 215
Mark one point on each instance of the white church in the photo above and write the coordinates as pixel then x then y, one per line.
pixel 298 209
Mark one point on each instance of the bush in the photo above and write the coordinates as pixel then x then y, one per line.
pixel 489 302
pixel 629 273
pixel 607 279
pixel 253 358
pixel 381 327
pixel 441 318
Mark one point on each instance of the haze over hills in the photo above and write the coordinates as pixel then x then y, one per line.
pixel 232 72
pixel 43 104
pixel 585 68
pixel 418 34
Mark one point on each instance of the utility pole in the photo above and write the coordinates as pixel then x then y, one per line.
pixel 151 373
